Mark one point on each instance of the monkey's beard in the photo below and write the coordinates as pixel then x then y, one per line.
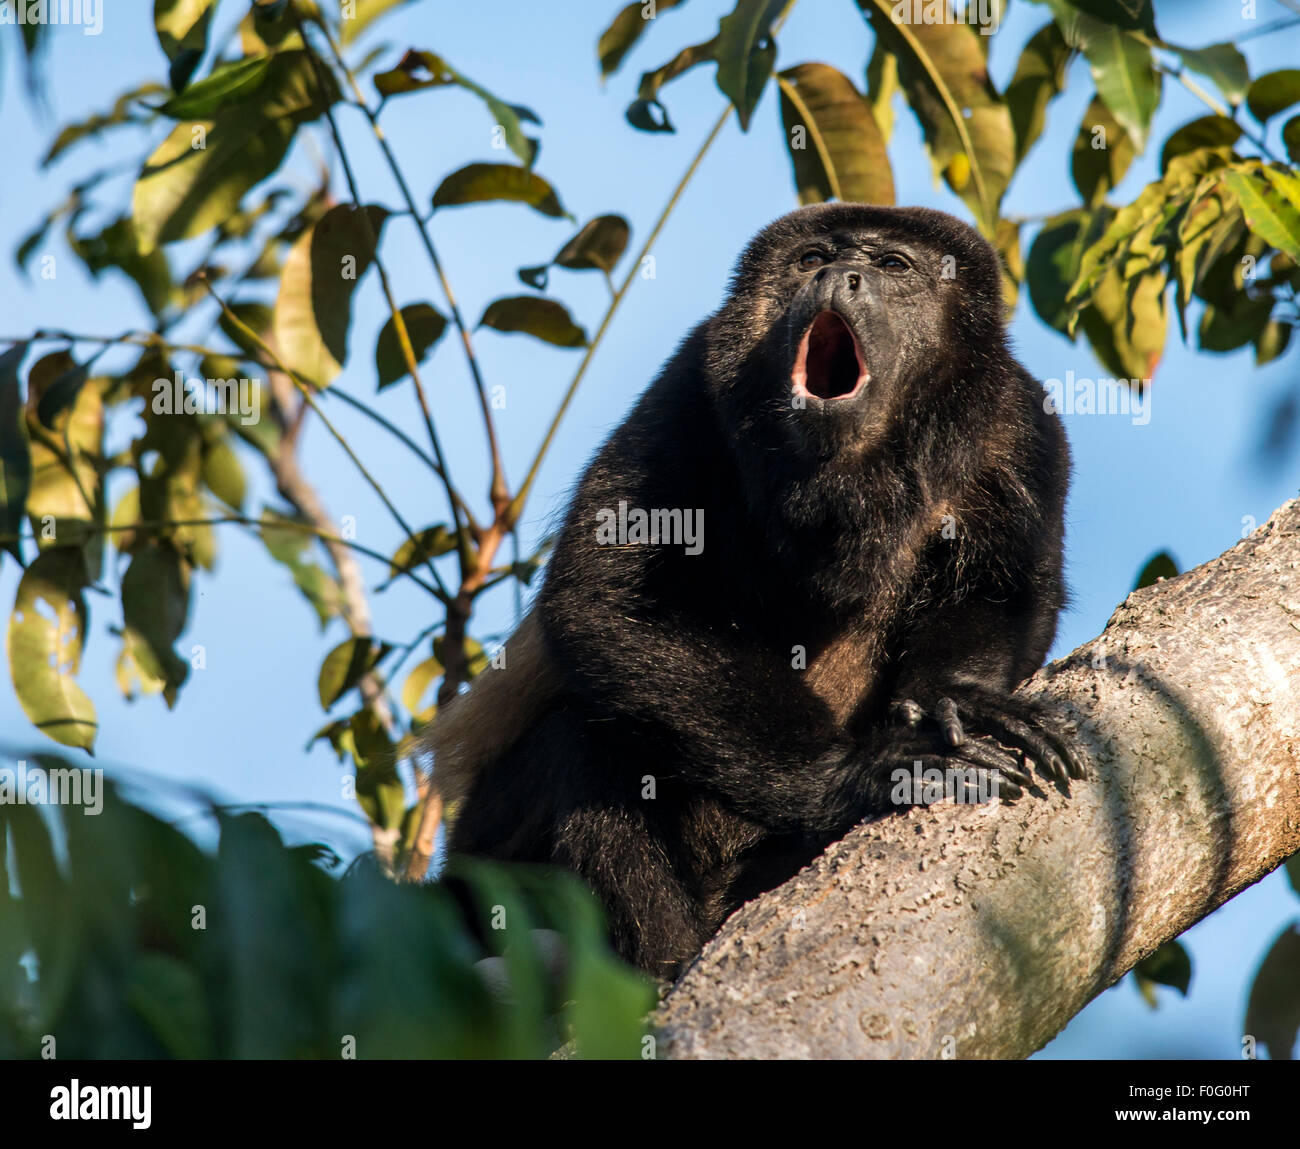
pixel 828 361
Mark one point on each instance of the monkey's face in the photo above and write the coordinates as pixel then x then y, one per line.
pixel 849 314
pixel 866 311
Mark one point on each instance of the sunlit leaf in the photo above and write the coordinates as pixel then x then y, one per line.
pixel 968 129
pixel 427 544
pixel 198 175
pixel 287 544
pixel 123 112
pixel 229 83
pixel 359 15
pixel 597 246
pixel 1205 132
pixel 47 631
pixel 835 147
pixel 1122 67
pixel 1270 200
pixel 314 308
pixel 182 27
pixel 346 665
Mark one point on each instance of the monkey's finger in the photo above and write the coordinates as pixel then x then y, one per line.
pixel 906 711
pixel 989 757
pixel 1038 745
pixel 945 713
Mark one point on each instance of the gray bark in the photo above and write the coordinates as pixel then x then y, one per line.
pixel 978 931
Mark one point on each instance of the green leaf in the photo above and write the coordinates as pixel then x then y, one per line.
pixel 417 686
pixel 1273 92
pixel 363 14
pixel 47 631
pixel 1158 566
pixel 427 544
pixel 122 113
pixel 1102 154
pixel 599 245
pixel 222 473
pixel 646 113
pixel 118 246
pixel 346 665
pixel 286 545
pixel 1221 63
pixel 59 493
pixel 1122 67
pixel 1273 1011
pixel 1039 78
pixel 1270 200
pixel 1130 15
pixel 168 996
pixel 15 455
pixel 198 175
pixel 624 31
pixel 182 27
pixel 835 147
pixel 155 607
pixel 417 71
pixel 967 127
pixel 485 183
pixel 424 326
pixel 1291 138
pixel 1054 261
pixel 544 319
pixel 229 83
pixel 314 308
pixel 745 52
pixel 61 393
pixel 1170 965
pixel 1206 132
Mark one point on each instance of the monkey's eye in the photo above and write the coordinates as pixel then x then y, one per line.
pixel 893 262
pixel 812 259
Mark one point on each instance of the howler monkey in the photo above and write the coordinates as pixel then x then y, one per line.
pixel 880 489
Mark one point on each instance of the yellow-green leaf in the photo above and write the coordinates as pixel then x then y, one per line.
pixel 47 631
pixel 314 309
pixel 835 147
pixel 544 319
pixel 486 183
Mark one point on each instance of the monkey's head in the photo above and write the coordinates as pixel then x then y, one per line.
pixel 841 316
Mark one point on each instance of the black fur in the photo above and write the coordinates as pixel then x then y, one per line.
pixel 823 530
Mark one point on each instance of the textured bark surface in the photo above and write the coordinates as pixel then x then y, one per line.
pixel 979 931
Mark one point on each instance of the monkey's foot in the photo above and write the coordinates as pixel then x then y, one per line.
pixel 1015 724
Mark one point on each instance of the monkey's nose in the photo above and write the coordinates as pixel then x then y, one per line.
pixel 854 280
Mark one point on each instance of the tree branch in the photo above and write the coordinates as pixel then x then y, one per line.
pixel 979 931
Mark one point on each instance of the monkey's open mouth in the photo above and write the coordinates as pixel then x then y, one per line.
pixel 828 364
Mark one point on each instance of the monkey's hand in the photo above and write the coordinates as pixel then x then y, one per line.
pixel 1013 734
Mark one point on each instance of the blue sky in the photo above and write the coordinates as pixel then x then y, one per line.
pixel 1185 481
